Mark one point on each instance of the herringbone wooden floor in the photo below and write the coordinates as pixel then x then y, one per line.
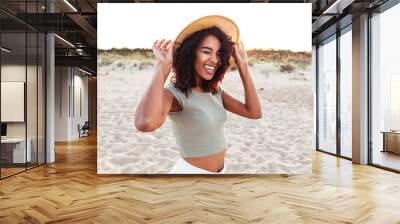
pixel 70 191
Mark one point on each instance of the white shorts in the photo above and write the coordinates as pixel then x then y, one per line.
pixel 183 167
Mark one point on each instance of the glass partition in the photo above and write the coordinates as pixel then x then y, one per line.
pixel 31 100
pixel 346 92
pixel 33 56
pixel 13 94
pixel 385 89
pixel 22 67
pixel 327 95
pixel 41 109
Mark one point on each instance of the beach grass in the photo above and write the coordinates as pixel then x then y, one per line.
pixel 288 61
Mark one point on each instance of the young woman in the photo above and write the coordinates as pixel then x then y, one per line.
pixel 194 101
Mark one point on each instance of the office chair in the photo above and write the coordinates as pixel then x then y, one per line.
pixel 84 130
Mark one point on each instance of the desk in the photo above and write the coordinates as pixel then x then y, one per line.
pixel 391 141
pixel 18 149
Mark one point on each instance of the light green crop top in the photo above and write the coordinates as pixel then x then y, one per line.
pixel 199 126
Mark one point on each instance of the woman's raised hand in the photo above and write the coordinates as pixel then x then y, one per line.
pixel 240 55
pixel 162 50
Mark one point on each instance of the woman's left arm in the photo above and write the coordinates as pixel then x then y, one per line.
pixel 251 108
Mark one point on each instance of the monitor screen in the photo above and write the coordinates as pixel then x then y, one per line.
pixel 3 129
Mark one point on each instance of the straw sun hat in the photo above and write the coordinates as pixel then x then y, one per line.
pixel 225 24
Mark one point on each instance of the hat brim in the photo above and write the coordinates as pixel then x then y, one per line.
pixel 225 24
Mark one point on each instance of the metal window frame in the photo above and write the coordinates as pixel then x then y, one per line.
pixel 339 32
pixel 387 5
pixel 381 9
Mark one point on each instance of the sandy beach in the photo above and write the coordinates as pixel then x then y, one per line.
pixel 280 142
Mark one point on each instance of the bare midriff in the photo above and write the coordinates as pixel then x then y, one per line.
pixel 213 163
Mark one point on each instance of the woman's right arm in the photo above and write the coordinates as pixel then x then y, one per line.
pixel 156 102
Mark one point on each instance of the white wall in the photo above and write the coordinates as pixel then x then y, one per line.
pixel 12 73
pixel 33 126
pixel 62 81
pixel 70 83
pixel 79 110
pixel 81 82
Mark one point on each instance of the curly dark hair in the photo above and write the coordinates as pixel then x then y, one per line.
pixel 185 56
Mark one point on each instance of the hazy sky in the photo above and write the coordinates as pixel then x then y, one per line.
pixel 262 25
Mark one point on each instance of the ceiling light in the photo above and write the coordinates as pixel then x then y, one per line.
pixel 70 5
pixel 86 72
pixel 5 49
pixel 64 40
pixel 79 51
pixel 338 6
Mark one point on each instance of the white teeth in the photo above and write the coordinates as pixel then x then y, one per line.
pixel 209 67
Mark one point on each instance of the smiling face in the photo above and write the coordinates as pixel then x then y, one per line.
pixel 207 58
pixel 201 60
